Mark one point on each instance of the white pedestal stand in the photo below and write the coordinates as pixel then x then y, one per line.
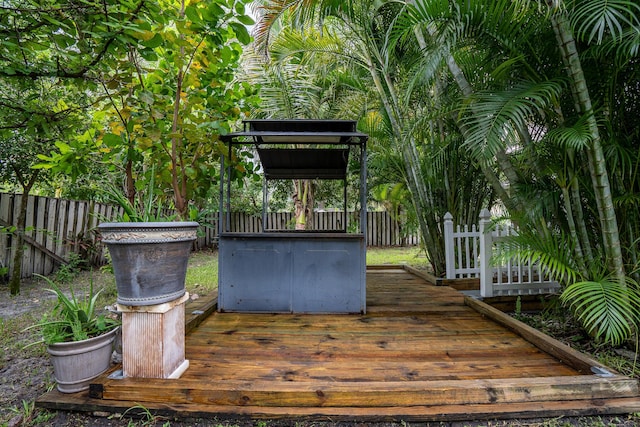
pixel 153 340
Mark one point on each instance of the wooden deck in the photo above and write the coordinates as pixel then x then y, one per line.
pixel 421 353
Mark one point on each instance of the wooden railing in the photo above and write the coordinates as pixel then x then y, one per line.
pixel 469 255
pixel 58 228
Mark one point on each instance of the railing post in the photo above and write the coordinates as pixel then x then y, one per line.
pixel 486 247
pixel 449 245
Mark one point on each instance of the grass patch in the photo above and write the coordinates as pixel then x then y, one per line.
pixel 15 338
pixel 202 272
pixel 413 256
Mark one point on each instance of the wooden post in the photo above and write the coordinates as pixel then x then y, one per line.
pixel 153 340
pixel 486 247
pixel 449 245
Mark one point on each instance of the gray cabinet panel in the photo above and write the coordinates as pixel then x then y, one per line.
pixel 253 276
pixel 299 274
pixel 327 278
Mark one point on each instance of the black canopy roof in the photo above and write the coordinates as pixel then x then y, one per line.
pixel 323 152
pixel 307 163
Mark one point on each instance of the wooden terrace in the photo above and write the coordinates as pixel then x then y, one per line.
pixel 421 353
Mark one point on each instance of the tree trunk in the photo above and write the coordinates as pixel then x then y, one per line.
pixel 177 167
pixel 419 193
pixel 566 197
pixel 303 203
pixel 595 154
pixel 14 281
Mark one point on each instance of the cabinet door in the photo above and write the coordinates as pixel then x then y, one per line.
pixel 328 276
pixel 255 275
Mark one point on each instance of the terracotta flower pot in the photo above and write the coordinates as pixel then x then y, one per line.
pixel 149 259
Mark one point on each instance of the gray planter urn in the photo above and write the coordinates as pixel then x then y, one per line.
pixel 77 363
pixel 149 259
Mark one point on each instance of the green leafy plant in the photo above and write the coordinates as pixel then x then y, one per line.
pixel 518 312
pixel 607 308
pixel 73 318
pixel 67 272
pixel 553 251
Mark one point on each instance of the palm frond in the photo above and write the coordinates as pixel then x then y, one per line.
pixel 609 310
pixel 270 13
pixel 597 19
pixel 494 115
pixel 576 137
pixel 553 251
pixel 627 201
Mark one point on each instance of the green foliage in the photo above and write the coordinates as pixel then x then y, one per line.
pixel 59 39
pixel 67 272
pixel 184 96
pixel 144 415
pixel 496 116
pixel 73 318
pixel 30 416
pixel 608 309
pixel 552 250
pixel 165 92
pixel 518 311
pixel 50 55
pixel 600 19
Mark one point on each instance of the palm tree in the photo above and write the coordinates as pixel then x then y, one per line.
pixel 506 79
pixel 584 106
pixel 293 87
pixel 357 34
pixel 516 107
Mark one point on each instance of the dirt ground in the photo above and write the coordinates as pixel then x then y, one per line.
pixel 27 374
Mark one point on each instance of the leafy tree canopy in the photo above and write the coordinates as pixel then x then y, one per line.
pixel 140 87
pixel 159 76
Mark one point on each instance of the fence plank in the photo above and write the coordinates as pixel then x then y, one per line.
pixel 52 214
pixel 16 210
pixel 5 238
pixel 39 234
pixel 30 225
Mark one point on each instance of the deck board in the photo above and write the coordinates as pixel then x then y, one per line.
pixel 421 352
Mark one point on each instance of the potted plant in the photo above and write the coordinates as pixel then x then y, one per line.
pixel 149 255
pixel 78 338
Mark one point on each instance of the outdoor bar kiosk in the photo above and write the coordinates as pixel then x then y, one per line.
pixel 289 271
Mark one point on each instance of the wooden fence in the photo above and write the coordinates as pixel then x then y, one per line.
pixel 382 229
pixel 58 228
pixel 54 229
pixel 468 254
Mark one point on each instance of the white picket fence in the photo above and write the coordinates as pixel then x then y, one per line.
pixel 469 252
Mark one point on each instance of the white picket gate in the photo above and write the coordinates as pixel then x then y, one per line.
pixel 469 252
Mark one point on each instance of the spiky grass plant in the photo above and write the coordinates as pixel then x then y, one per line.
pixel 73 318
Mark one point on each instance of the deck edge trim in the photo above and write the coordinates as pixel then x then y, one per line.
pixel 580 361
